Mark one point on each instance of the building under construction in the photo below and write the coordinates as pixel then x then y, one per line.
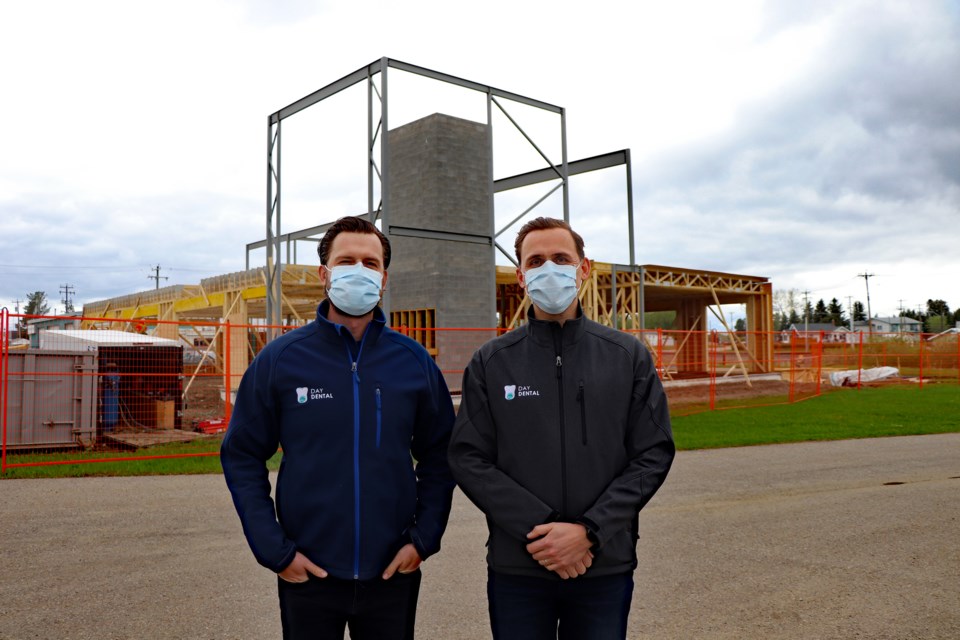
pixel 434 178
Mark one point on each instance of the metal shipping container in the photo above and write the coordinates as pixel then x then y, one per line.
pixel 52 398
pixel 140 377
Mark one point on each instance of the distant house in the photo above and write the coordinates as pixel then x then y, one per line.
pixel 813 331
pixel 35 326
pixel 892 324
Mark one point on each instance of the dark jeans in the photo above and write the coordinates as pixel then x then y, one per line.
pixel 584 608
pixel 377 609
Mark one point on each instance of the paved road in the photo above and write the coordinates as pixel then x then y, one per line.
pixel 851 539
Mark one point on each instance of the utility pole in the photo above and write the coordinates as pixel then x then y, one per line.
pixel 866 279
pixel 19 320
pixel 806 313
pixel 66 290
pixel 900 326
pixel 157 277
pixel 850 306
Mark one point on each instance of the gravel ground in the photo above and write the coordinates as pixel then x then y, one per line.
pixel 850 539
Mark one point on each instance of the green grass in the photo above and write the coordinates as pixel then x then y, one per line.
pixel 836 415
pixel 202 458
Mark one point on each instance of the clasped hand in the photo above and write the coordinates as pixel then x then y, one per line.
pixel 561 547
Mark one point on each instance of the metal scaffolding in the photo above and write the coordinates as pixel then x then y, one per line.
pixel 379 172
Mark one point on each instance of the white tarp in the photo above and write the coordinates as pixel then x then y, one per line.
pixel 90 339
pixel 849 378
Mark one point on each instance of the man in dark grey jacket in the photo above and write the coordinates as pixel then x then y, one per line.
pixel 563 435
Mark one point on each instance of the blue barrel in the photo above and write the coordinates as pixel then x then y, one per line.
pixel 111 401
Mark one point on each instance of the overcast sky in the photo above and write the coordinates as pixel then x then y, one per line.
pixel 808 142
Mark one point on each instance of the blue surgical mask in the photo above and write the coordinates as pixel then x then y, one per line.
pixel 354 289
pixel 552 287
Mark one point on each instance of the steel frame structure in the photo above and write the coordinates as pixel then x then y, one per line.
pixel 380 172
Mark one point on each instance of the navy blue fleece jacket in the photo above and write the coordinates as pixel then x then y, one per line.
pixel 348 417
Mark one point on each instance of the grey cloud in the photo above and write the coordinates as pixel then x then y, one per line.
pixel 104 248
pixel 861 157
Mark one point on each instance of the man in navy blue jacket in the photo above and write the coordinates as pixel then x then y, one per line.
pixel 349 401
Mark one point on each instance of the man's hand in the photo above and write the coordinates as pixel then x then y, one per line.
pixel 297 570
pixel 406 561
pixel 561 547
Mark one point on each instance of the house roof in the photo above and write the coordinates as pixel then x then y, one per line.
pixel 814 326
pixel 898 320
pixel 108 337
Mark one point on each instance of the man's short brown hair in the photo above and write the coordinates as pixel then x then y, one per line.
pixel 539 224
pixel 351 224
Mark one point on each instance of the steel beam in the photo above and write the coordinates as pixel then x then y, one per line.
pixel 604 161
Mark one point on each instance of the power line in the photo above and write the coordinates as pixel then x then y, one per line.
pixel 66 290
pixel 66 267
pixel 866 279
pixel 157 277
pixel 107 268
pixel 806 310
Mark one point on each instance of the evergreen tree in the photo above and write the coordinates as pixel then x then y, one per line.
pixel 938 316
pixel 835 312
pixel 820 313
pixel 780 320
pixel 859 313
pixel 937 308
pixel 36 304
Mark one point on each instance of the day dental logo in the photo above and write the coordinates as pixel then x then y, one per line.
pixel 511 391
pixel 308 393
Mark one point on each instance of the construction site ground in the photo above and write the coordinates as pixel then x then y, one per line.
pixel 203 401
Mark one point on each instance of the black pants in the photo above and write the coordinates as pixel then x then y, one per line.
pixel 584 608
pixel 377 609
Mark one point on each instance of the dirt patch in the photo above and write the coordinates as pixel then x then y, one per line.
pixel 739 390
pixel 202 401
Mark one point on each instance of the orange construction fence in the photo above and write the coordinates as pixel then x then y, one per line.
pixel 150 389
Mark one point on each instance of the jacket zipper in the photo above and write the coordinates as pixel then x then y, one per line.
pixel 583 413
pixel 563 439
pixel 356 453
pixel 356 471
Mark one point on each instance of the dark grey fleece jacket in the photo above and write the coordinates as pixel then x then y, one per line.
pixel 564 424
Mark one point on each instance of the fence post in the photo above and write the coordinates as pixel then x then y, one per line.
pixel 860 361
pixel 921 359
pixel 227 405
pixel 4 380
pixel 663 371
pixel 793 362
pixel 820 361
pixel 712 337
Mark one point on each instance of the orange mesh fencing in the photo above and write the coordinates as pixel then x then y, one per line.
pixel 148 389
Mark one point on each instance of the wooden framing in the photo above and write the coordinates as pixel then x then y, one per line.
pixel 419 324
pixel 690 293
pixel 612 296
